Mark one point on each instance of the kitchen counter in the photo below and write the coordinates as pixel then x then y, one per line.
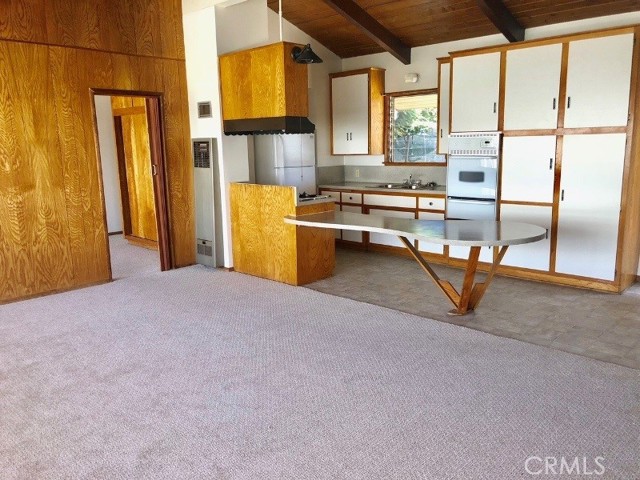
pixel 438 191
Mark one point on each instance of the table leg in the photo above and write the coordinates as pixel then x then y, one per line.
pixel 470 296
pixel 444 286
pixel 480 288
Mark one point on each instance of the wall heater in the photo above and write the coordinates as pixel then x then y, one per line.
pixel 207 202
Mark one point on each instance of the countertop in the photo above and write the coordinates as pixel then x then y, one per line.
pixel 472 233
pixel 438 191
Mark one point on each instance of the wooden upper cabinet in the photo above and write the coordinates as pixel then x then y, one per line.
pixel 263 82
pixel 357 112
pixel 475 92
pixel 598 81
pixel 444 76
pixel 532 87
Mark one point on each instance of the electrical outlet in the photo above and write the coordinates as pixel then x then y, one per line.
pixel 357 173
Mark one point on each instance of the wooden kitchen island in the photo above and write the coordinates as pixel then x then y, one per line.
pixel 265 246
pixel 469 233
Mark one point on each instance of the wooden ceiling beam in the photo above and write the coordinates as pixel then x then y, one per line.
pixel 503 19
pixel 372 28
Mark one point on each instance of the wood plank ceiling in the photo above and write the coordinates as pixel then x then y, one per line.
pixel 425 22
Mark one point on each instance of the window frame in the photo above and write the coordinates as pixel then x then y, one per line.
pixel 387 124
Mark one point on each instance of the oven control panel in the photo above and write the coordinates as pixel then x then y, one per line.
pixel 474 143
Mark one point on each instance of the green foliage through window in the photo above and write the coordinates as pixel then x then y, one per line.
pixel 413 129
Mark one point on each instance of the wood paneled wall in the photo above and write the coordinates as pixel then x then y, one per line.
pixel 52 226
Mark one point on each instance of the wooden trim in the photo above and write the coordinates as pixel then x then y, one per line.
pixel 122 176
pixel 547 40
pixel 412 93
pixel 415 164
pixel 358 71
pixel 532 204
pixel 156 140
pixel 55 291
pixel 629 227
pixel 555 209
pixel 128 111
pixel 142 242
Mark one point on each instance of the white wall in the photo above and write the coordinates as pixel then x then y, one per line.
pixel 109 161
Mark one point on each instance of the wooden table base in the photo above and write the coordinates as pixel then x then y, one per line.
pixel 471 294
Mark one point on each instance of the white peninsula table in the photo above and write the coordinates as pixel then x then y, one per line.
pixel 469 233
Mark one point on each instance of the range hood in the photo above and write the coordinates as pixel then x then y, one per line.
pixel 269 125
pixel 265 91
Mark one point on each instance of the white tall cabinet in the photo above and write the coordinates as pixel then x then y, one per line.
pixel 598 80
pixel 357 112
pixel 569 109
pixel 590 199
pixel 475 92
pixel 350 107
pixel 532 87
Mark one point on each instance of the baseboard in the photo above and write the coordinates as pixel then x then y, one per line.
pixel 142 242
pixel 115 233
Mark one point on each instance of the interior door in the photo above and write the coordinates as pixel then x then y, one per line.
pixel 136 170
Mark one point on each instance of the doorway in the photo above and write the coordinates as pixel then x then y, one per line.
pixel 129 134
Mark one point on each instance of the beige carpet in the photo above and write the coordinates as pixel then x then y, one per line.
pixel 197 373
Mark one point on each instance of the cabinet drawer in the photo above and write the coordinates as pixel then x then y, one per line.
pixel 390 201
pixel 351 197
pixel 430 203
pixel 335 196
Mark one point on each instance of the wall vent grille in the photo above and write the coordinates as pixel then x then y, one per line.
pixel 205 248
pixel 204 109
pixel 201 154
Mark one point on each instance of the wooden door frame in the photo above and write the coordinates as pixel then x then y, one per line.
pixel 155 116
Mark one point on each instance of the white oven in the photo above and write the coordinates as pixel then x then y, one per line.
pixel 472 175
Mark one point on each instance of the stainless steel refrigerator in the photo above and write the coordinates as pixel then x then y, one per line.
pixel 288 159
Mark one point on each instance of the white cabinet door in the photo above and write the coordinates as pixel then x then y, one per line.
pixel 528 168
pixel 350 108
pixel 474 92
pixel 598 81
pixel 351 235
pixel 384 238
pixel 532 86
pixel 589 212
pixel 530 255
pixel 427 246
pixel 443 108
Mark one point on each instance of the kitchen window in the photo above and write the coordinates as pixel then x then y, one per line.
pixel 411 128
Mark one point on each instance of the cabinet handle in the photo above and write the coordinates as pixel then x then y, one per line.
pixel 351 136
pixel 495 106
pixel 568 102
pixel 550 163
pixel 554 103
pixel 347 136
pixel 562 195
pixel 440 133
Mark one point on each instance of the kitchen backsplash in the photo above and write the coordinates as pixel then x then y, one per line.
pixel 330 175
pixel 382 174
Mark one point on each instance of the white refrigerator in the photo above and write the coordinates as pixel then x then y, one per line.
pixel 287 159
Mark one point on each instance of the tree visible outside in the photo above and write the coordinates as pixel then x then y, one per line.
pixel 414 134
